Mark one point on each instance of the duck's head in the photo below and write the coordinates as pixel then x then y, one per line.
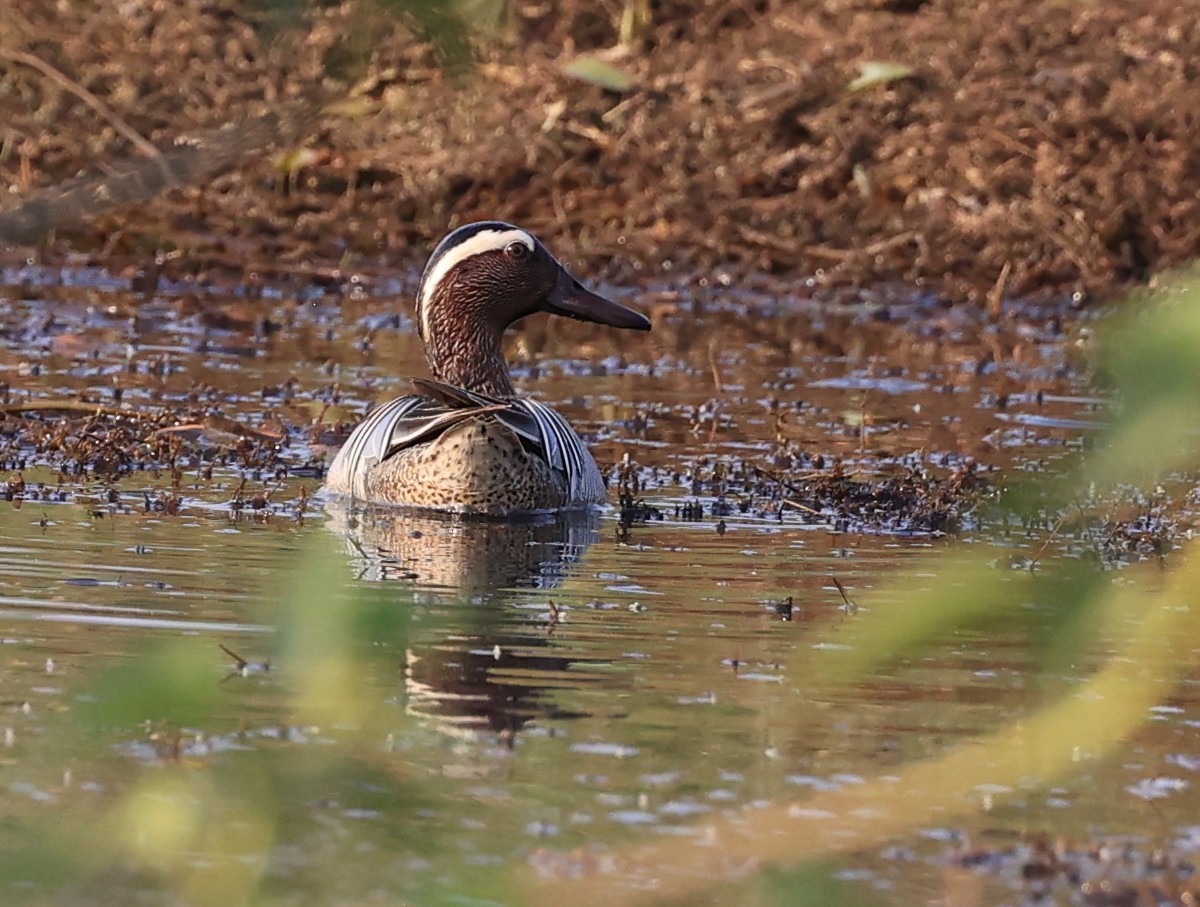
pixel 479 280
pixel 492 274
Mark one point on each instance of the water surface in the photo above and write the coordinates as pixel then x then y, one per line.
pixel 539 687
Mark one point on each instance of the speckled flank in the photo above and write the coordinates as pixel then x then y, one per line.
pixel 478 466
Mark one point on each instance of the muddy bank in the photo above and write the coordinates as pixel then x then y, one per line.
pixel 1017 147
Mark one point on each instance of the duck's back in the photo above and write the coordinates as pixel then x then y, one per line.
pixel 498 457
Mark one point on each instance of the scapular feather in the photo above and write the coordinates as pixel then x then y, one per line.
pixel 420 418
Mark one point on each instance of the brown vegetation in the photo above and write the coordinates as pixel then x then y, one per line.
pixel 1035 146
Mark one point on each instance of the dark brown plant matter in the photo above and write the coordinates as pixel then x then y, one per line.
pixel 1095 872
pixel 893 497
pixel 1035 148
pixel 86 443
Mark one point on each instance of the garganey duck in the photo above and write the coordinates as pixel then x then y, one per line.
pixel 466 442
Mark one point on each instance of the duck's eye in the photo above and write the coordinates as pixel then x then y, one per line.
pixel 516 249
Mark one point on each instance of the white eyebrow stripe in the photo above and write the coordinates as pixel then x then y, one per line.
pixel 483 241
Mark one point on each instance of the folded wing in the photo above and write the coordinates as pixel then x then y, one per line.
pixel 418 419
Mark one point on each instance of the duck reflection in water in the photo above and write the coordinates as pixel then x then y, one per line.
pixel 475 663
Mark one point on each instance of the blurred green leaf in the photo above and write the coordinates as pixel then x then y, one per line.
pixel 636 16
pixel 440 22
pixel 176 681
pixel 953 593
pixel 1150 350
pixel 597 72
pixel 878 72
pixel 293 160
pixel 483 15
pixel 811 885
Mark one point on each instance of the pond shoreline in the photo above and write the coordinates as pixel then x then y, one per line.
pixel 1006 150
